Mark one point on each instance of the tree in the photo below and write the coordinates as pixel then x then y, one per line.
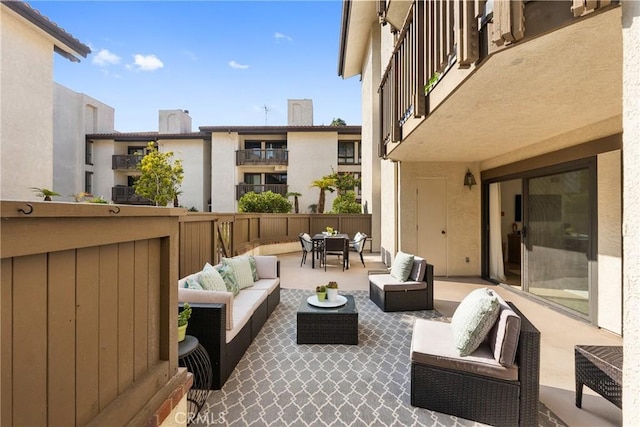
pixel 265 202
pixel 338 122
pixel 295 195
pixel 323 184
pixel 344 181
pixel 160 179
pixel 346 204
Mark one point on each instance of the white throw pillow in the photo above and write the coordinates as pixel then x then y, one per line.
pixel 401 267
pixel 241 268
pixel 473 319
pixel 211 280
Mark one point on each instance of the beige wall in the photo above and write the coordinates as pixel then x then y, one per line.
pixel 311 156
pixel 26 109
pixel 463 213
pixel 223 171
pixel 103 175
pixel 631 215
pixel 388 211
pixel 610 241
pixel 194 163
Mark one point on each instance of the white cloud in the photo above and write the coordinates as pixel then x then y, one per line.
pixel 191 55
pixel 234 64
pixel 104 58
pixel 280 36
pixel 147 62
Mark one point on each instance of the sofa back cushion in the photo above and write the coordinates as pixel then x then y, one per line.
pixel 504 336
pixel 418 269
pixel 241 268
pixel 267 266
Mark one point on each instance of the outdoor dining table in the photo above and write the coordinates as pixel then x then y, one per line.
pixel 315 247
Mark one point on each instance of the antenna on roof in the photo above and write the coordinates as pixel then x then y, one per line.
pixel 266 112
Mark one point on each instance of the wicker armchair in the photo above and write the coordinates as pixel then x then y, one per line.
pixel 484 398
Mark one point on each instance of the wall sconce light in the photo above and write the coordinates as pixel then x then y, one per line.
pixel 469 179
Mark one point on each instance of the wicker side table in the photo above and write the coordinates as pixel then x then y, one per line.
pixel 599 368
pixel 193 356
pixel 327 325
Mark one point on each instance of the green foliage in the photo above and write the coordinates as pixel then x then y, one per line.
pixel 266 202
pixel 184 315
pixel 432 82
pixel 323 184
pixel 99 199
pixel 346 204
pixel 338 122
pixel 344 181
pixel 160 179
pixel 44 193
pixel 193 209
pixel 296 203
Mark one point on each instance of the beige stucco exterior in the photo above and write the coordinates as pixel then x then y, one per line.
pixel 26 84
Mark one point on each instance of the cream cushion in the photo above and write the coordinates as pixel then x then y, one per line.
pixel 504 336
pixel 241 268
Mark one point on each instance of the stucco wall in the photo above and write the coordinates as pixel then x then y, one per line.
pixel 463 213
pixel 631 215
pixel 103 176
pixel 311 156
pixel 26 105
pixel 191 152
pixel 388 211
pixel 223 171
pixel 610 242
pixel 74 115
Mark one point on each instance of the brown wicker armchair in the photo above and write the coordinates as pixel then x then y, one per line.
pixel 480 397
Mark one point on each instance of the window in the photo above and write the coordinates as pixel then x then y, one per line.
pixel 346 152
pixel 275 178
pixel 88 182
pixel 88 152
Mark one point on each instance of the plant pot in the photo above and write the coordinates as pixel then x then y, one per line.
pixel 321 296
pixel 182 332
pixel 332 295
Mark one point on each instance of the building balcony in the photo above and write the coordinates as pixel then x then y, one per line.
pixel 256 156
pixel 469 81
pixel 242 189
pixel 127 196
pixel 125 161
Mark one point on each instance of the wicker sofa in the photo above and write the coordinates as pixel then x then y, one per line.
pixel 226 324
pixel 477 387
pixel 414 294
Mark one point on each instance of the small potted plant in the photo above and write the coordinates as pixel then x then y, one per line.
pixel 183 321
pixel 329 231
pixel 332 291
pixel 45 193
pixel 321 292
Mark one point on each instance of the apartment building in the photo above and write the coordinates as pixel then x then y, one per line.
pixel 494 131
pixel 222 163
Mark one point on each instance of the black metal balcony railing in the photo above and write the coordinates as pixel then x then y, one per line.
pixel 270 156
pixel 125 161
pixel 127 196
pixel 242 189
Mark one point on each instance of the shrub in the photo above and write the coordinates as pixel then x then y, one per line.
pixel 346 204
pixel 266 202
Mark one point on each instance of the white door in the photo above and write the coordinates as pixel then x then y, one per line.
pixel 431 223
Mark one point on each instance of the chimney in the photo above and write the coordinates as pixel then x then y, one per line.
pixel 174 121
pixel 300 112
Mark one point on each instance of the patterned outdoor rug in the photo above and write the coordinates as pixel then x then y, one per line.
pixel 280 383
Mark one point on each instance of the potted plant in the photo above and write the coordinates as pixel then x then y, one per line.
pixel 183 321
pixel 332 291
pixel 321 292
pixel 45 193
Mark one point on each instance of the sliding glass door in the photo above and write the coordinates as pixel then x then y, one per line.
pixel 559 228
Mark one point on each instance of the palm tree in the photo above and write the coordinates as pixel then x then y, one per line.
pixel 296 206
pixel 323 184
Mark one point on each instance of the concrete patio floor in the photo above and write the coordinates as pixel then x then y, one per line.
pixel 559 332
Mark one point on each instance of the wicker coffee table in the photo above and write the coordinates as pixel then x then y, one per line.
pixel 599 368
pixel 317 325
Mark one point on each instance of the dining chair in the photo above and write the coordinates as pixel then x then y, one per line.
pixel 307 246
pixel 335 246
pixel 358 245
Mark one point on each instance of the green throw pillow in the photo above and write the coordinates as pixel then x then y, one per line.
pixel 473 319
pixel 254 268
pixel 229 279
pixel 241 268
pixel 192 283
pixel 211 280
pixel 402 265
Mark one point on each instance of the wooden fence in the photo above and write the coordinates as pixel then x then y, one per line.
pixel 88 302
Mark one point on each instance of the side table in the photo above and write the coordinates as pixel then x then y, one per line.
pixel 327 325
pixel 599 367
pixel 193 356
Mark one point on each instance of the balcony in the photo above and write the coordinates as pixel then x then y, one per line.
pixel 127 196
pixel 125 161
pixel 242 189
pixel 270 156
pixel 460 79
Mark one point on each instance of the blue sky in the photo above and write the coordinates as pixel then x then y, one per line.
pixel 224 61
